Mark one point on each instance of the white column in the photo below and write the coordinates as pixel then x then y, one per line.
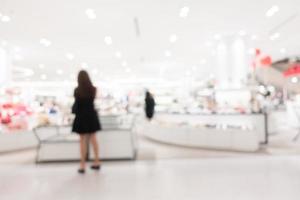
pixel 232 63
pixel 5 73
pixel 223 71
pixel 239 63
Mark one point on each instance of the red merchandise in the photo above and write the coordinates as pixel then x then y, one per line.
pixel 292 70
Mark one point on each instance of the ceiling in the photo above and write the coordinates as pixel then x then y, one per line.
pixel 140 31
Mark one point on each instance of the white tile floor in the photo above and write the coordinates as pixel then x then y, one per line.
pixel 253 178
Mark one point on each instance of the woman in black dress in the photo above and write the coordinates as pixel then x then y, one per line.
pixel 86 122
pixel 149 105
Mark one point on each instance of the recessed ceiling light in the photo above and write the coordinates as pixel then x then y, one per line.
pixel 283 50
pixel 173 38
pixel 128 70
pixel 118 54
pixel 274 36
pixel 59 71
pixel 194 68
pixel 124 63
pixel 5 18
pixel 95 71
pixel 294 80
pixel 41 66
pixel 84 65
pixel 90 13
pixel 4 43
pixel 17 49
pixel 108 40
pixel 70 56
pixel 254 37
pixel 18 57
pixel 203 61
pixel 217 36
pixel 252 51
pixel 242 33
pixel 188 73
pixel 168 53
pixel 45 42
pixel 43 76
pixel 184 11
pixel 208 43
pixel 272 11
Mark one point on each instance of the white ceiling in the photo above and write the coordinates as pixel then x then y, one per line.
pixel 66 25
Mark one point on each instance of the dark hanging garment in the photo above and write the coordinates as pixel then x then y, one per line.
pixel 86 117
pixel 149 107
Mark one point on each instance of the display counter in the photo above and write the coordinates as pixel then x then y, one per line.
pixel 239 132
pixel 57 143
pixel 17 141
pixel 116 141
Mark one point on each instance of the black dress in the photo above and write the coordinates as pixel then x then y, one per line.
pixel 86 118
pixel 149 107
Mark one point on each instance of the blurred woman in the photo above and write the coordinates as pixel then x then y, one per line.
pixel 86 122
pixel 149 105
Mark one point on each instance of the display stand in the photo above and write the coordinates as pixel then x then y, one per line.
pixel 116 141
pixel 236 132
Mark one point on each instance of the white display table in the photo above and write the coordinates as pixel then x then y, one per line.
pixel 57 143
pixel 116 142
pixel 17 141
pixel 184 130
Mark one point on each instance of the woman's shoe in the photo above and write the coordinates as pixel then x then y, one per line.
pixel 81 171
pixel 96 167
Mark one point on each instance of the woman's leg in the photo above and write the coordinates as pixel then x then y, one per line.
pixel 83 150
pixel 95 145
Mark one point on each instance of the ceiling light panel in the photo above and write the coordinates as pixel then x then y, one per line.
pixel 184 11
pixel 108 40
pixel 272 11
pixel 90 13
pixel 274 36
pixel 173 38
pixel 45 42
pixel 5 18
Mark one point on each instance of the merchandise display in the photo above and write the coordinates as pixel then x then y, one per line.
pixel 239 132
pixel 117 140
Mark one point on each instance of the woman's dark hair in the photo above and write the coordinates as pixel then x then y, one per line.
pixel 85 88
